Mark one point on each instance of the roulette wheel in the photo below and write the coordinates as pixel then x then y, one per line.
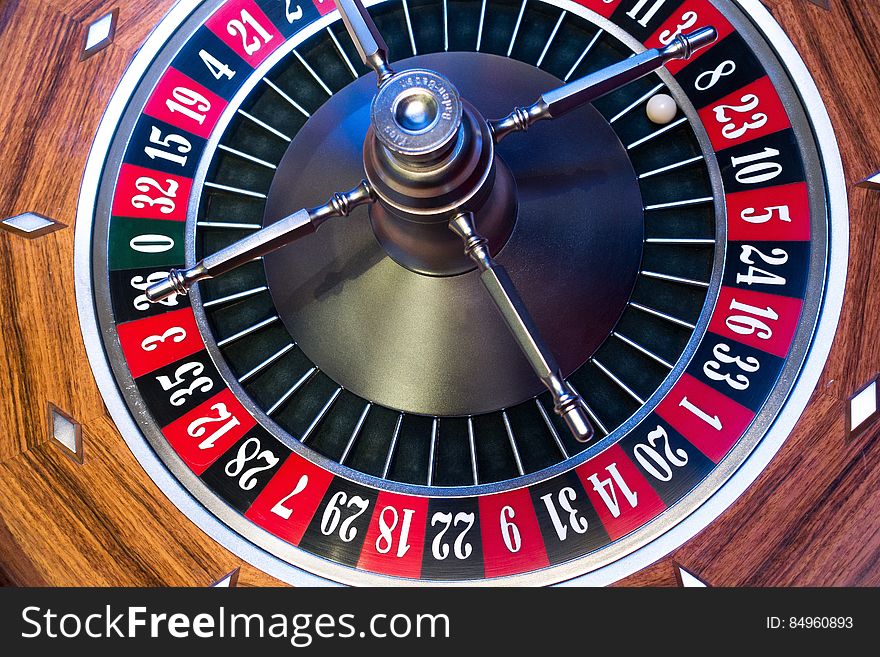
pixel 440 291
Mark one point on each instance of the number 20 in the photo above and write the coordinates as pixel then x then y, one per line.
pixel 656 464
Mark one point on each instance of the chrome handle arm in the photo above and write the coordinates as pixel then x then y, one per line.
pixel 559 101
pixel 566 402
pixel 367 39
pixel 282 232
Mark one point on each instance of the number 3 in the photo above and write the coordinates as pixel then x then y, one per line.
pixel 688 20
pixel 176 334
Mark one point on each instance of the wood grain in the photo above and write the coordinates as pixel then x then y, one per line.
pixel 91 532
pixel 841 48
pixel 61 524
pixel 812 518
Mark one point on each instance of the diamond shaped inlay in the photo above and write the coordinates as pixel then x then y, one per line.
pixel 871 182
pixel 864 407
pixel 30 225
pixel 99 34
pixel 66 433
pixel 229 580
pixel 689 580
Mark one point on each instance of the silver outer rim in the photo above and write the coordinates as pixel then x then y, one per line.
pixel 696 519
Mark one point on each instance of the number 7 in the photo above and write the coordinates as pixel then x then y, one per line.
pixel 285 512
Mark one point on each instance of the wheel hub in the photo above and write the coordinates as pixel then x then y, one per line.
pixel 417 115
pixel 428 155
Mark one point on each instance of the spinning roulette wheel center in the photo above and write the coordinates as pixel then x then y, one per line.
pixel 389 290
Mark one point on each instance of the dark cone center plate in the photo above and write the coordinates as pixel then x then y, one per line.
pixel 437 345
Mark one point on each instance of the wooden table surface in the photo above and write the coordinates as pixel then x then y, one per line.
pixel 811 519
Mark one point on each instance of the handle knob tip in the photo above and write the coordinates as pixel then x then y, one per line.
pixel 174 283
pixel 577 422
pixel 701 38
pixel 685 45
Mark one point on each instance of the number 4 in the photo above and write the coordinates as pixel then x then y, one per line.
pixel 217 68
